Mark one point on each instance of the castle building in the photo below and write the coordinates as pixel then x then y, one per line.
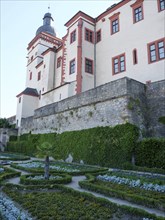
pixel 126 40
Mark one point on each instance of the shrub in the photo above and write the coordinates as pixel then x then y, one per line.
pixel 151 153
pixel 63 179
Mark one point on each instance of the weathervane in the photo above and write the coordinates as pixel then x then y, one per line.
pixel 49 8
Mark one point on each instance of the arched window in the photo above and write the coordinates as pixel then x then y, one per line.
pixel 30 77
pixel 135 61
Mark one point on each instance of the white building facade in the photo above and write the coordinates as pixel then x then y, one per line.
pixel 127 40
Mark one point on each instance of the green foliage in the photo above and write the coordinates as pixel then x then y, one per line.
pixel 62 167
pixel 12 156
pixel 162 120
pixel 135 195
pixel 4 123
pixel 24 179
pixel 66 203
pixel 13 138
pixel 151 153
pixel 8 173
pixel 133 103
pixel 104 146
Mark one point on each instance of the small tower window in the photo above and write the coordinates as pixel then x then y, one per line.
pixel 19 99
pixel 30 77
pixel 135 57
pixel 40 94
pixel 39 75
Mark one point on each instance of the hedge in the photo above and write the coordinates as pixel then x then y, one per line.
pixel 131 195
pixel 26 201
pixel 151 153
pixel 104 146
pixel 24 179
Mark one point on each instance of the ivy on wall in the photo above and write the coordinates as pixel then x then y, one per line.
pixel 104 146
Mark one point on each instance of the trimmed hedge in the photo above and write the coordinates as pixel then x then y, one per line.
pixel 104 146
pixel 14 157
pixel 129 194
pixel 8 173
pixel 151 153
pixel 63 180
pixel 34 202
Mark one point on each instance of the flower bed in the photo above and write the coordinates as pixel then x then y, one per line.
pixel 132 183
pixel 38 179
pixel 65 203
pixel 10 211
pixel 13 156
pixel 58 167
pixel 134 194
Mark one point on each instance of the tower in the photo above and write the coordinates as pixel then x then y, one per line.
pixel 39 70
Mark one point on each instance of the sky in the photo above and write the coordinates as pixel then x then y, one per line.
pixel 19 21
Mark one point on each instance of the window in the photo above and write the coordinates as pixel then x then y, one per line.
pixel 138 14
pixel 88 35
pixel 161 5
pixel 118 64
pixel 39 75
pixel 58 62
pixel 98 36
pixel 19 99
pixel 72 66
pixel 137 8
pixel 115 26
pixel 114 19
pixel 88 66
pixel 31 58
pixel 135 57
pixel 73 36
pixel 30 77
pixel 156 50
pixel 39 94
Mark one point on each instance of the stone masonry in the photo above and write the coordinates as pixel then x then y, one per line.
pixel 117 102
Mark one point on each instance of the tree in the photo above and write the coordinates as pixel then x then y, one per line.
pixel 4 123
pixel 46 150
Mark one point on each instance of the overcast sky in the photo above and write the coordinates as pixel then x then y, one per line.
pixel 19 22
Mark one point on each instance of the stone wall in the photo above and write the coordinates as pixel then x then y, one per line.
pixel 156 108
pixel 117 102
pixel 5 134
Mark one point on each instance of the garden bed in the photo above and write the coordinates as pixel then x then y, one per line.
pixel 13 156
pixel 6 173
pixel 65 203
pixel 140 190
pixel 58 167
pixel 38 179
